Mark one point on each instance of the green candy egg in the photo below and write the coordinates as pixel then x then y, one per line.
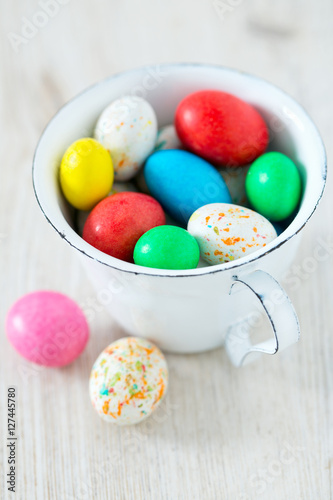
pixel 273 186
pixel 167 247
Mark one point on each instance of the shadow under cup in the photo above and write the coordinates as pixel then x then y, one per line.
pixel 194 310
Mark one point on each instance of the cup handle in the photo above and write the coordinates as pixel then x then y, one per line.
pixel 279 310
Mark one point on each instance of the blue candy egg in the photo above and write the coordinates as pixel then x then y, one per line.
pixel 183 182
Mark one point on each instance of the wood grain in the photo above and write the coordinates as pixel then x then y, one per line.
pixel 262 432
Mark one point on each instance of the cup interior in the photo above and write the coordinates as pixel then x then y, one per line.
pixel 291 131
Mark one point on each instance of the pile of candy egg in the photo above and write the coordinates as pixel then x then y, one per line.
pixel 201 187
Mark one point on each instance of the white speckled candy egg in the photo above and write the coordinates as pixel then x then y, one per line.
pixel 128 381
pixel 227 232
pixel 167 138
pixel 128 129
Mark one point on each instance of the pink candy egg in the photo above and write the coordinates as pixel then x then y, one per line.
pixel 47 328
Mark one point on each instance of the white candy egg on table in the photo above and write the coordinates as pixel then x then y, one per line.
pixel 127 128
pixel 226 232
pixel 128 381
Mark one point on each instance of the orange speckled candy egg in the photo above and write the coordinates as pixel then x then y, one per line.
pixel 128 381
pixel 227 232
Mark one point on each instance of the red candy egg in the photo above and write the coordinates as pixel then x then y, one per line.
pixel 117 222
pixel 221 128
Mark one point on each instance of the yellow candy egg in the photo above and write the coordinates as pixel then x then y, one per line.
pixel 86 173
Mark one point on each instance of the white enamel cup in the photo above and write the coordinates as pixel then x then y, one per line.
pixel 199 309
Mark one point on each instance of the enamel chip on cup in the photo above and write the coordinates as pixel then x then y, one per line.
pixel 227 232
pixel 128 381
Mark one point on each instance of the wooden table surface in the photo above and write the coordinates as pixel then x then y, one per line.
pixel 260 432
